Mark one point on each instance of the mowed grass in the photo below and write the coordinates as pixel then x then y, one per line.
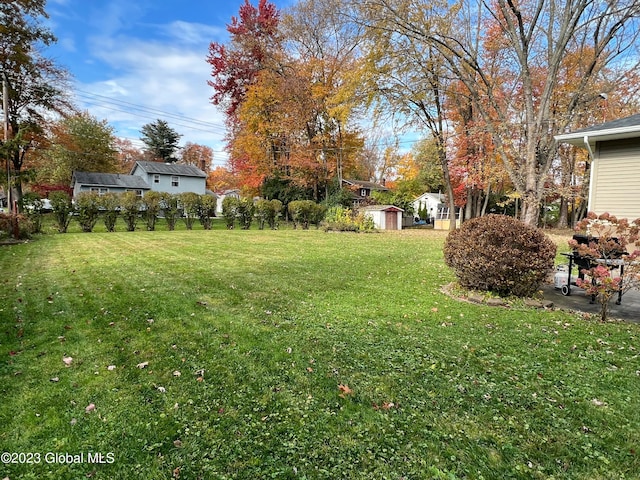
pixel 296 354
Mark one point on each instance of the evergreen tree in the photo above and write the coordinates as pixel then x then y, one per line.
pixel 161 141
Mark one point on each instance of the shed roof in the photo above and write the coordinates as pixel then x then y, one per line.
pixel 110 180
pixel 628 127
pixel 169 169
pixel 382 208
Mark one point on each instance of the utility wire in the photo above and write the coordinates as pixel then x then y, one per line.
pixel 146 112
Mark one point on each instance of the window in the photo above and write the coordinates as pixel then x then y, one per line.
pixel 100 191
pixel 175 181
pixel 363 192
pixel 137 192
pixel 156 178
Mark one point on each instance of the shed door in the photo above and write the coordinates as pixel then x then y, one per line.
pixel 391 220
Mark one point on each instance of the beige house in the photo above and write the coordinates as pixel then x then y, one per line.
pixel 614 148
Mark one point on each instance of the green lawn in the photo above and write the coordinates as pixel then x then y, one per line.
pixel 296 354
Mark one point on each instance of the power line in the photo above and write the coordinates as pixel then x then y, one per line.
pixel 146 112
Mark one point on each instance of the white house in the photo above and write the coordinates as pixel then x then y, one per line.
pixel 433 202
pixel 614 148
pixel 385 217
pixel 224 194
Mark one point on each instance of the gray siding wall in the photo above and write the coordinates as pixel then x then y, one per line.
pixel 185 184
pixel 616 179
pixel 77 188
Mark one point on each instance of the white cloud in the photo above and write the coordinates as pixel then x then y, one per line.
pixel 170 78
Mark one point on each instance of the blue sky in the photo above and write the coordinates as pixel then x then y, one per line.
pixel 134 61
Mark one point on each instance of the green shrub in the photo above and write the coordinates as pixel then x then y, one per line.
pixel 151 202
pixel 304 212
pixel 500 254
pixel 88 210
pixel 268 212
pixel 110 205
pixel 130 204
pixel 170 209
pixel 341 219
pixel 31 204
pixel 207 210
pixel 245 213
pixel 230 210
pixel 190 202
pixel 62 208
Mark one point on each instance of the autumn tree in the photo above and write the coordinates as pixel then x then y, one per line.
pixel 234 66
pixel 514 76
pixel 161 141
pixel 34 84
pixel 405 73
pixel 127 153
pixel 279 81
pixel 78 143
pixel 200 156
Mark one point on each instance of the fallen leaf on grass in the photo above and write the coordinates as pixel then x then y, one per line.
pixel 67 361
pixel 90 408
pixel 176 373
pixel 143 365
pixel 344 391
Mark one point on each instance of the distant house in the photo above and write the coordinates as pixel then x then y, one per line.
pixel 362 189
pixel 385 217
pixel 433 202
pixel 171 177
pixel 102 183
pixel 224 194
pixel 145 176
pixel 614 148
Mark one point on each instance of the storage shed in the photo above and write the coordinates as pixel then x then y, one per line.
pixel 614 179
pixel 385 217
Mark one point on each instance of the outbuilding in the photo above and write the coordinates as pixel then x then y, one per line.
pixel 385 217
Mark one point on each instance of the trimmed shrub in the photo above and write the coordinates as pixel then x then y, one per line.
pixel 62 208
pixel 500 254
pixel 31 204
pixel 230 210
pixel 110 204
pixel 170 209
pixel 245 213
pixel 88 210
pixel 304 212
pixel 151 205
pixel 268 212
pixel 190 202
pixel 130 204
pixel 207 210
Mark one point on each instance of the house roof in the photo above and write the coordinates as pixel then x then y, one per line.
pixel 628 127
pixel 110 180
pixel 440 197
pixel 365 184
pixel 382 208
pixel 169 169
